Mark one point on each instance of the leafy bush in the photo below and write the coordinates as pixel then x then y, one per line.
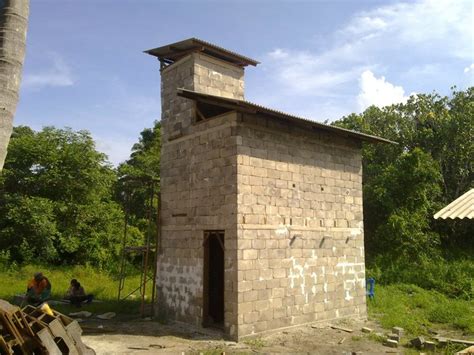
pixel 416 309
pixel 454 278
pixel 56 203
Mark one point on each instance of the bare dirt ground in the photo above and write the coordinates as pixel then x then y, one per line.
pixel 135 336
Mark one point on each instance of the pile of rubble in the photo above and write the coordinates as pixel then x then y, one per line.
pixel 32 330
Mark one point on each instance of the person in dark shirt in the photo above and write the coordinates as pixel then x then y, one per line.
pixel 76 294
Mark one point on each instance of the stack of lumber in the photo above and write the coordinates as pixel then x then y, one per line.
pixel 32 331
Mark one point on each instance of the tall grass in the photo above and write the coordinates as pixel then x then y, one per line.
pixel 453 278
pixel 417 310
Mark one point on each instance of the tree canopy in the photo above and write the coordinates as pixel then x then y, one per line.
pixel 405 184
pixel 56 201
pixel 139 177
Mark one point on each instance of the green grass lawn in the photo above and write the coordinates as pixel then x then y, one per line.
pixel 103 286
pixel 407 306
pixel 417 310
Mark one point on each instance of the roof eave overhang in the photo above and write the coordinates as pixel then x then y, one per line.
pixel 247 107
pixel 176 51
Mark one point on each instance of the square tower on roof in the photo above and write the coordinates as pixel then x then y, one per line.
pixel 199 66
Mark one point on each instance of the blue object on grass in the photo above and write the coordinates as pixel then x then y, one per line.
pixel 371 287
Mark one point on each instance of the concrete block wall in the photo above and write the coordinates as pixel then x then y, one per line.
pixel 300 230
pixel 215 77
pixel 197 72
pixel 289 201
pixel 198 188
pixel 198 193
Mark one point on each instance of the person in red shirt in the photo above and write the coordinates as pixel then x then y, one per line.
pixel 38 289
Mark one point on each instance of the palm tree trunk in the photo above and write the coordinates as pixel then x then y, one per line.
pixel 13 26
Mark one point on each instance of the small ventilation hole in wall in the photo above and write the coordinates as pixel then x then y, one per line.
pixel 321 222
pixel 291 221
pixel 322 188
pixel 243 219
pixel 294 185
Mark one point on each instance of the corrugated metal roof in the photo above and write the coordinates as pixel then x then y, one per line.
pixel 175 51
pixel 249 107
pixel 462 207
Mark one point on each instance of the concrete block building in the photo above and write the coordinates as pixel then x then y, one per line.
pixel 261 213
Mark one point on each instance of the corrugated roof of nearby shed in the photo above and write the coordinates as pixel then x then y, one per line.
pixel 175 51
pixel 249 107
pixel 462 207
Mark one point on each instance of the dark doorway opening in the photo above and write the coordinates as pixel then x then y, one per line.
pixel 213 286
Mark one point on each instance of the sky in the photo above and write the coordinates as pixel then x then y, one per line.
pixel 85 67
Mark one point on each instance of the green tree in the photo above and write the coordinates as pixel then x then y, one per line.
pixel 404 194
pixel 29 230
pixel 405 184
pixel 56 199
pixel 139 175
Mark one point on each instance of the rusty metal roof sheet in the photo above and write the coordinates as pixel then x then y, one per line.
pixel 249 107
pixel 462 207
pixel 175 51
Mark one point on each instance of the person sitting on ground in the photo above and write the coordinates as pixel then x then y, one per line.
pixel 76 294
pixel 38 289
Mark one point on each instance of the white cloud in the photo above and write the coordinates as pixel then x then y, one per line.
pixel 59 74
pixel 423 24
pixel 366 24
pixel 469 68
pixel 415 41
pixel 117 148
pixel 278 54
pixel 378 91
pixel 302 71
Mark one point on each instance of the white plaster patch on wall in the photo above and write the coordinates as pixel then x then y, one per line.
pixel 348 268
pixel 179 298
pixel 283 232
pixel 215 75
pixel 357 231
pixel 297 272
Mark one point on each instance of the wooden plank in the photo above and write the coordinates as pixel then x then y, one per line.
pixel 457 341
pixel 4 347
pixel 58 330
pixel 342 328
pixel 48 342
